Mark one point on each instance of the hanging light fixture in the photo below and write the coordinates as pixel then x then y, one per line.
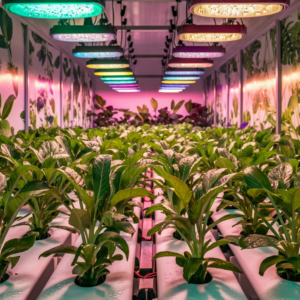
pixel 126 88
pixel 190 63
pixel 178 81
pixel 114 72
pixel 181 78
pixel 128 91
pixel 171 88
pixel 119 82
pixel 123 78
pixel 199 51
pixel 97 51
pixel 123 85
pixel 83 33
pixel 186 71
pixel 175 85
pixel 237 8
pixel 107 63
pixel 55 9
pixel 211 33
pixel 169 91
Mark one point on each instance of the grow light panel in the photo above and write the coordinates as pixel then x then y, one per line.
pixel 171 88
pixel 55 9
pixel 211 33
pixel 107 63
pixel 178 81
pixel 83 33
pixel 190 63
pixel 176 85
pixel 237 8
pixel 119 82
pixel 114 72
pixel 199 51
pixel 97 51
pixel 125 78
pixel 128 91
pixel 179 71
pixel 123 85
pixel 169 91
pixel 126 88
pixel 181 78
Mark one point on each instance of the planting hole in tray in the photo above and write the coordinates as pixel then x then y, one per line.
pixel 4 278
pixel 100 281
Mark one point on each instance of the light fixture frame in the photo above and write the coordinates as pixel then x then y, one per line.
pixel 7 4
pixel 97 63
pixel 181 71
pixel 203 51
pixel 185 62
pixel 98 49
pixel 211 29
pixel 285 4
pixel 95 30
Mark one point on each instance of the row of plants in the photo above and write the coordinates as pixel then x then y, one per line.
pixel 257 172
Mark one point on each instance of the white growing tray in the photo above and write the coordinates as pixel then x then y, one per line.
pixel 267 287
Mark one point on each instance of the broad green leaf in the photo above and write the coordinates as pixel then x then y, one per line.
pixel 8 106
pixel 130 194
pixel 167 253
pixel 191 266
pixel 15 246
pixel 80 219
pixel 270 261
pixel 223 264
pixel 256 179
pixel 63 249
pixel 222 162
pixel 210 178
pixel 256 241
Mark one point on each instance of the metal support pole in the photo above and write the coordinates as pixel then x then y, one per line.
pixel 241 88
pixel 93 99
pixel 278 78
pixel 61 90
pixel 26 78
pixel 215 98
pixel 227 93
pixel 71 118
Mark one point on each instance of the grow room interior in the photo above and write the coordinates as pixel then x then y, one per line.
pixel 150 150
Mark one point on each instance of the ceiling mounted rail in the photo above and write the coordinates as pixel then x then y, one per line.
pixel 145 28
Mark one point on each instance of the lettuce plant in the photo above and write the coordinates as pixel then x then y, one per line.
pixel 99 223
pixel 193 227
pixel 10 205
pixel 286 239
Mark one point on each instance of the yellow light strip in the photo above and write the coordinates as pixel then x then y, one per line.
pixel 113 73
pixel 210 37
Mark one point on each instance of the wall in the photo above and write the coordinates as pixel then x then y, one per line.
pixel 48 93
pixel 266 80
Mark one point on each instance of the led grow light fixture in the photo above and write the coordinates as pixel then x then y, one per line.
pixel 169 91
pixel 119 82
pixel 123 85
pixel 176 85
pixel 83 33
pixel 181 78
pixel 178 81
pixel 211 33
pixel 171 88
pixel 126 88
pixel 186 71
pixel 190 63
pixel 123 78
pixel 128 91
pixel 97 51
pixel 55 9
pixel 199 51
pixel 237 8
pixel 107 63
pixel 114 72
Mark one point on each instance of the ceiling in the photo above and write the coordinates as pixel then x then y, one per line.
pixel 155 13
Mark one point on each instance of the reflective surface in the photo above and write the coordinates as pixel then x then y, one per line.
pixel 83 37
pixel 97 54
pixel 50 10
pixel 210 37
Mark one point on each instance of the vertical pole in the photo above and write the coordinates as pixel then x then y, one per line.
pixel 278 77
pixel 72 96
pixel 241 88
pixel 26 78
pixel 93 98
pixel 215 98
pixel 61 89
pixel 227 93
pixel 205 93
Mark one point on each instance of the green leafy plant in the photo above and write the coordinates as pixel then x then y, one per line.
pixel 7 107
